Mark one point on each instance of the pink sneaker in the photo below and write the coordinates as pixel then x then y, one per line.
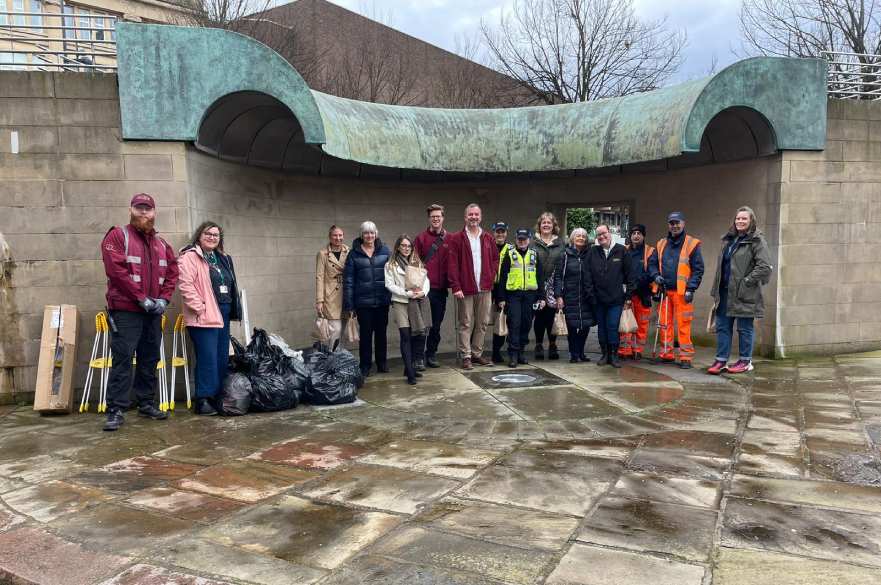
pixel 740 367
pixel 717 368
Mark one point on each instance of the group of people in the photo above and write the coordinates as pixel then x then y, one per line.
pixel 527 282
pixel 143 271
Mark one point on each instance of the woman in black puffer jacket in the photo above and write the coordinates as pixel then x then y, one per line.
pixel 364 293
pixel 573 288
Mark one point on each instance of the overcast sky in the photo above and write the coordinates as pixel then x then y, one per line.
pixel 711 26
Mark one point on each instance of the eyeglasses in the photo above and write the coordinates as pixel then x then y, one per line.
pixel 211 235
pixel 405 246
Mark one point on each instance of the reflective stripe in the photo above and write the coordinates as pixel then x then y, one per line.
pixel 686 347
pixel 136 277
pixel 161 280
pixel 133 259
pixel 163 263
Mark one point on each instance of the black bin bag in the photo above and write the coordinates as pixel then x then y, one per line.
pixel 235 398
pixel 273 382
pixel 334 377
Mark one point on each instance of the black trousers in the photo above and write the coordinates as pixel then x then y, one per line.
pixel 372 325
pixel 519 310
pixel 137 333
pixel 544 322
pixel 437 298
pixel 577 338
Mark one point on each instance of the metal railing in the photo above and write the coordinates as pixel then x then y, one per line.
pixel 853 76
pixel 47 41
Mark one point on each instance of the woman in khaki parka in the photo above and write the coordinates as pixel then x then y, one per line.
pixel 329 265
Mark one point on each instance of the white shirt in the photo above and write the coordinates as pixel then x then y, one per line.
pixel 607 250
pixel 476 256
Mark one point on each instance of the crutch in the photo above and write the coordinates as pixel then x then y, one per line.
pixel 160 369
pixel 180 361
pixel 96 363
pixel 663 315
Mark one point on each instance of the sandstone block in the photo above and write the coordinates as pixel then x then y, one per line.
pixel 28 112
pixel 32 192
pixel 89 140
pixel 80 112
pixel 92 167
pixel 28 166
pixel 148 167
pixel 29 84
pixel 86 85
pixel 847 129
pixel 31 140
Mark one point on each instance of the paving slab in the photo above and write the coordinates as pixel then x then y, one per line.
pixel 556 402
pixel 500 524
pixel 693 442
pixel 703 493
pixel 383 488
pixel 31 555
pixel 810 532
pixel 301 531
pixel 207 451
pixel 824 494
pixel 204 556
pixel 8 484
pixel 555 462
pixel 371 569
pixel 9 520
pixel 120 529
pixel 183 504
pixel 309 454
pixel 50 500
pixel 749 567
pixel 673 463
pixel 245 481
pixel 430 457
pixel 39 468
pixel 590 565
pixel 137 473
pixel 504 563
pixel 142 574
pixel 540 490
pixel 642 525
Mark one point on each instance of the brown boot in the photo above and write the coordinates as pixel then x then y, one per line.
pixel 466 363
pixel 481 361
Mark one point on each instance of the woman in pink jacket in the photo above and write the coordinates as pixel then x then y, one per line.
pixel 210 293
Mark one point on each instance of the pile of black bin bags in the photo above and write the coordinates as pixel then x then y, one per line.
pixel 267 376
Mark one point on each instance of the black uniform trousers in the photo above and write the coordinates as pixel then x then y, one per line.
pixel 136 333
pixel 518 307
pixel 372 325
pixel 437 298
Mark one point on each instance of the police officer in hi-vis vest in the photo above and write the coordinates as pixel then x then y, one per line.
pixel 679 271
pixel 500 232
pixel 518 294
pixel 141 273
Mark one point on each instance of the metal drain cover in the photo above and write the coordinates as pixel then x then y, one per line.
pixel 514 379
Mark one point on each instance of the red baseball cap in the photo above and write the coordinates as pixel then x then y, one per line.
pixel 143 199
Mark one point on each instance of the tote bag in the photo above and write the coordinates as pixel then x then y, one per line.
pixel 560 327
pixel 628 323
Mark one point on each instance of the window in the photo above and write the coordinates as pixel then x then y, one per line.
pixel 18 6
pixel 37 9
pixel 5 61
pixel 3 19
pixel 84 23
pixel 20 60
pixel 69 33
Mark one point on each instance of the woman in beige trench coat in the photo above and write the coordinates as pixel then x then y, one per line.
pixel 329 265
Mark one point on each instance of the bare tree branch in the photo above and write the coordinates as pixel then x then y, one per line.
pixel 579 50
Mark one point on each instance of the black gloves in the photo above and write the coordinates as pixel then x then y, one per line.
pixel 659 280
pixel 689 296
pixel 159 309
pixel 148 304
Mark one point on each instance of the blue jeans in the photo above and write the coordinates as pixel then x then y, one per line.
pixel 608 317
pixel 211 345
pixel 725 331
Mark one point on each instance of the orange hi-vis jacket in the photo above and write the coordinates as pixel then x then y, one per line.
pixel 683 272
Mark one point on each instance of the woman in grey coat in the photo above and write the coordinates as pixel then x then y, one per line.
pixel 744 266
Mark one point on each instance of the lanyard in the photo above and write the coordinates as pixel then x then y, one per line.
pixel 214 263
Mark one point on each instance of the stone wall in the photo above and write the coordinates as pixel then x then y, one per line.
pixel 73 176
pixel 71 180
pixel 830 209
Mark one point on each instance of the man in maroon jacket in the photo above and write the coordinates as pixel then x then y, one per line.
pixel 141 273
pixel 433 247
pixel 472 267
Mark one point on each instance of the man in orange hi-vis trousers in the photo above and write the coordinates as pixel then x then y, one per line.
pixel 680 270
pixel 644 262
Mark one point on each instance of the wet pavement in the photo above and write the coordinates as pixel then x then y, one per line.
pixel 568 474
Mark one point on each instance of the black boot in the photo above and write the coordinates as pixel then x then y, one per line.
pixel 613 356
pixel 149 410
pixel 553 354
pixel 204 407
pixel 115 419
pixel 521 358
pixel 431 361
pixel 512 359
pixel 605 359
pixel 498 343
pixel 418 344
pixel 407 355
pixel 539 351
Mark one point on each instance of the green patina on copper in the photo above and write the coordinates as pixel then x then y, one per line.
pixel 170 76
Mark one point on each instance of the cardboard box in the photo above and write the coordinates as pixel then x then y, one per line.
pixel 54 391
